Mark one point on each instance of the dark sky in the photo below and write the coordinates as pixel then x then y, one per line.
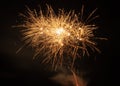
pixel 21 69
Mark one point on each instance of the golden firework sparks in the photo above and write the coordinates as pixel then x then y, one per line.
pixel 57 37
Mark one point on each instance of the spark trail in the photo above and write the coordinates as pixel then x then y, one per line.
pixel 57 38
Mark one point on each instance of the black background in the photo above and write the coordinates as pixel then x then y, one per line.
pixel 21 69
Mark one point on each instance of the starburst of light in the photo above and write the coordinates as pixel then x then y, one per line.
pixel 58 37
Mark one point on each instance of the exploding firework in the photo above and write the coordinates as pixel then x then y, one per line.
pixel 57 37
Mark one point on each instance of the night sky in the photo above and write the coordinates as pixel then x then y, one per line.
pixel 20 69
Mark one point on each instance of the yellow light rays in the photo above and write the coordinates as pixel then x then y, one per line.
pixel 57 37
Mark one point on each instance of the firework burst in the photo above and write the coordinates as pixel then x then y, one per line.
pixel 57 38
